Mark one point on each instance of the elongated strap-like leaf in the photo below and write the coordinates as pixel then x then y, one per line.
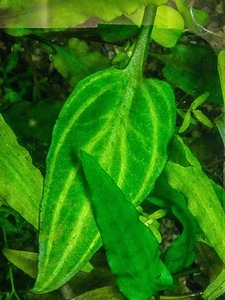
pixel 125 122
pixel 20 182
pixel 184 174
pixel 131 248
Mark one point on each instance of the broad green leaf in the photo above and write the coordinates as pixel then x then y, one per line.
pixel 75 61
pixel 193 68
pixel 50 13
pixel 131 248
pixel 24 260
pixel 184 173
pixel 216 288
pixel 126 122
pixel 182 252
pixel 20 181
pixel 168 26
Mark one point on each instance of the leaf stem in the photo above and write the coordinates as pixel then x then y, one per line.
pixel 141 48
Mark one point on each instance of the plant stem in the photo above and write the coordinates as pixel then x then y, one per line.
pixel 141 48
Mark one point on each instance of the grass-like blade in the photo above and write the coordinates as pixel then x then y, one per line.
pixel 131 248
pixel 126 122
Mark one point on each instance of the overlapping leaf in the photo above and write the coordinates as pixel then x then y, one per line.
pixel 51 13
pixel 181 254
pixel 125 122
pixel 131 248
pixel 20 181
pixel 202 200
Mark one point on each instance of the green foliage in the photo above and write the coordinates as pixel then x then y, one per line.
pixel 131 248
pixel 182 252
pixel 132 121
pixel 196 113
pixel 42 14
pixel 24 260
pixel 168 26
pixel 189 66
pixel 75 61
pixel 21 182
pixel 125 122
pixel 184 167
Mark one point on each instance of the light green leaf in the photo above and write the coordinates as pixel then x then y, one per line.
pixel 216 288
pixel 186 122
pixel 202 118
pixel 198 101
pixel 168 26
pixel 131 248
pixel 221 127
pixel 51 13
pixel 184 173
pixel 24 260
pixel 125 122
pixel 20 181
pixel 221 70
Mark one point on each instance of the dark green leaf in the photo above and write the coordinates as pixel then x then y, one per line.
pixel 131 248
pixel 193 68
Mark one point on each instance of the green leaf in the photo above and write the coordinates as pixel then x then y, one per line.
pixel 194 19
pixel 75 61
pixel 24 260
pixel 216 288
pixel 182 252
pixel 168 26
pixel 221 127
pixel 20 181
pixel 106 293
pixel 202 118
pixel 131 248
pixel 51 13
pixel 126 122
pixel 193 68
pixel 198 101
pixel 221 70
pixel 186 122
pixel 184 173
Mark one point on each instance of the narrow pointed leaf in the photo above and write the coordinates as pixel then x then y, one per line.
pixel 20 181
pixel 131 248
pixel 124 121
pixel 24 260
pixel 202 200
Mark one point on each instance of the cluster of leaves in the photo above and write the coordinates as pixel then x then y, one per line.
pixel 115 145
